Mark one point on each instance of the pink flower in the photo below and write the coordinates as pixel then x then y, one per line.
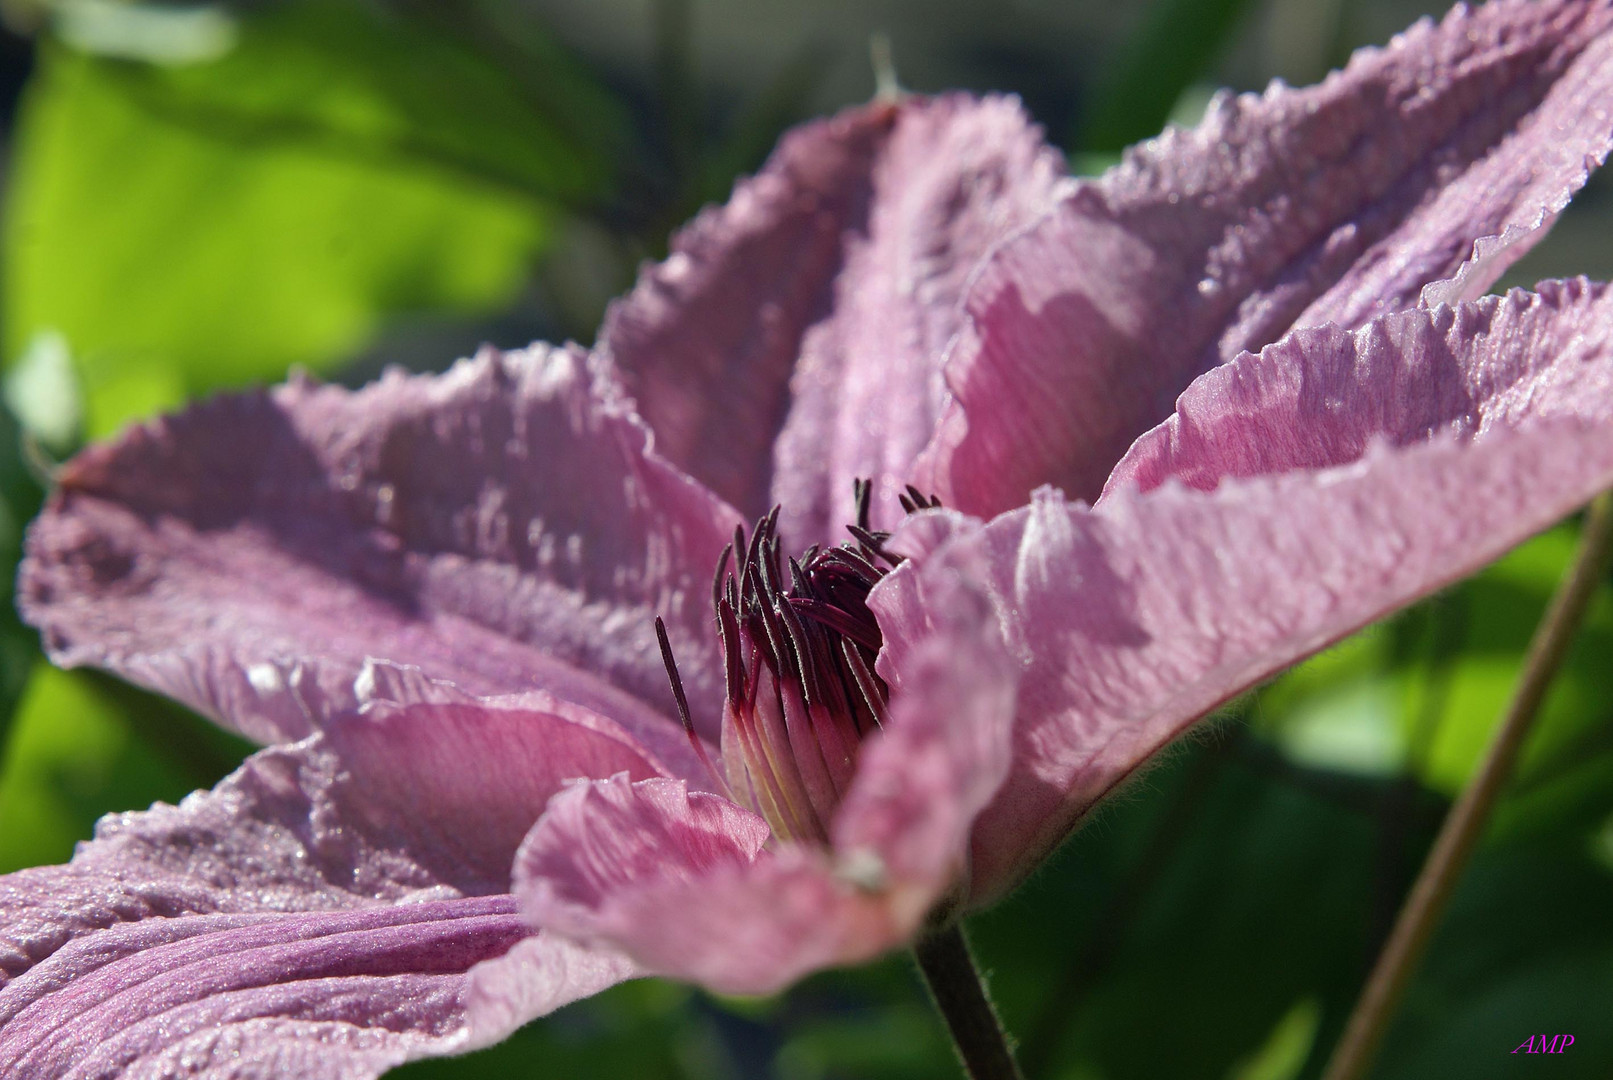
pixel 436 595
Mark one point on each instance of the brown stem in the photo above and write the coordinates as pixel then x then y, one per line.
pixel 960 995
pixel 1426 903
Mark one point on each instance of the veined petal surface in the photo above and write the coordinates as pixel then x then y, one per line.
pixel 1321 396
pixel 1400 458
pixel 301 919
pixel 504 526
pixel 793 339
pixel 1337 203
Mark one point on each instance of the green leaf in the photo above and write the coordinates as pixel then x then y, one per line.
pixel 1425 692
pixel 1527 949
pixel 1283 1054
pixel 19 500
pixel 82 745
pixel 186 227
pixel 1175 43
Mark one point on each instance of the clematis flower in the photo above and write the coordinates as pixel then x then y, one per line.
pixel 1187 423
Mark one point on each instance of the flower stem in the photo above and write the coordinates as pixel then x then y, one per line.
pixel 1358 1046
pixel 960 994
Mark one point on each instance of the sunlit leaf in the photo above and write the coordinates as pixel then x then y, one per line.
pixel 19 499
pixel 1284 1052
pixel 43 392
pixel 82 745
pixel 1426 693
pixel 184 227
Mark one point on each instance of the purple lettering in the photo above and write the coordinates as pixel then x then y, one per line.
pixel 1561 1043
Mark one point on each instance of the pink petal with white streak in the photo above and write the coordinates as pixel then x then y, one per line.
pixel 793 339
pixel 504 527
pixel 1335 203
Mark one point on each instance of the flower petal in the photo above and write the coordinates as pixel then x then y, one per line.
pixel 680 881
pixel 285 923
pixel 504 526
pixel 1321 396
pixel 949 742
pixel 537 976
pixel 459 786
pixel 534 740
pixel 814 307
pixel 378 985
pixel 1338 202
pixel 1135 618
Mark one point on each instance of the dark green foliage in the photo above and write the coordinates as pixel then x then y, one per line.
pixel 1172 48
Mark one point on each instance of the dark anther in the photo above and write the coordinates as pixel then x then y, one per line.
pixel 873 543
pixel 728 632
pixel 672 676
pixel 717 579
pixel 860 563
pixel 798 652
pixel 867 682
pixel 919 500
pixel 836 620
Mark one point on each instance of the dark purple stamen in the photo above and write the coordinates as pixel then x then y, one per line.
pixel 798 662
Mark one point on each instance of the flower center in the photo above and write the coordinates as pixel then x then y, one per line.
pixel 798 644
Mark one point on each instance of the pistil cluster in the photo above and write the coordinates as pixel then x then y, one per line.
pixel 798 644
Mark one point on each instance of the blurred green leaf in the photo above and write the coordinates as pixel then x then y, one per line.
pixel 20 494
pixel 1284 1053
pixel 1172 47
pixel 1526 949
pixel 1499 610
pixel 185 227
pixel 1339 710
pixel 1426 692
pixel 1266 899
pixel 164 34
pixel 82 745
pixel 903 1039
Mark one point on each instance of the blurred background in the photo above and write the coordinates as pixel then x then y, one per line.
pixel 198 197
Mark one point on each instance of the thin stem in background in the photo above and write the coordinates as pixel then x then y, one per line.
pixel 1431 893
pixel 960 994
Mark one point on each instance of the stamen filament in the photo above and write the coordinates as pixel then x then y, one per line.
pixel 768 720
pixel 836 620
pixel 753 764
pixel 683 703
pixel 867 682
